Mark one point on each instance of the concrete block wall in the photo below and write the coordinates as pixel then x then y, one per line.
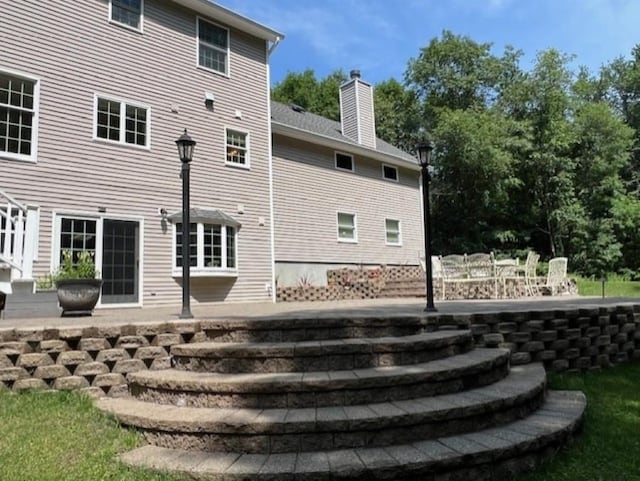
pixel 98 359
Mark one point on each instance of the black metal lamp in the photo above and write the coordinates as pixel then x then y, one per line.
pixel 424 150
pixel 186 146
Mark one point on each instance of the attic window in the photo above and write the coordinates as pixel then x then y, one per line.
pixel 344 162
pixel 390 173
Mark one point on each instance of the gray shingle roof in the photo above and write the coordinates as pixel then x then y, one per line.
pixel 204 215
pixel 315 124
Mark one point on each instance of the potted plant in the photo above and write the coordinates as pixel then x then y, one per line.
pixel 76 284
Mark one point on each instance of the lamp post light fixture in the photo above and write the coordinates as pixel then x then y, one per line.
pixel 185 149
pixel 424 149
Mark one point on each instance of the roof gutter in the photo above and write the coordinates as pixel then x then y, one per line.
pixel 304 135
pixel 233 19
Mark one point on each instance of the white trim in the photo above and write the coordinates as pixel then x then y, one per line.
pixel 386 240
pixel 355 227
pixel 123 117
pixel 335 159
pixel 56 217
pixel 397 179
pixel 358 117
pixel 272 231
pixel 373 113
pixel 247 153
pixel 33 157
pixel 227 72
pixel 200 270
pixel 124 25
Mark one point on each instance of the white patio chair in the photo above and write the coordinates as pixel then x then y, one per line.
pixel 530 273
pixel 556 276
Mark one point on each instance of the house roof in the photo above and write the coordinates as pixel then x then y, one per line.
pixel 231 18
pixel 298 123
pixel 204 215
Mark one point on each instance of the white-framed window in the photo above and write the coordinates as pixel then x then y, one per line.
pixel 213 46
pixel 19 103
pixel 213 249
pixel 237 148
pixel 347 230
pixel 128 13
pixel 121 122
pixel 389 172
pixel 393 235
pixel 75 234
pixel 344 161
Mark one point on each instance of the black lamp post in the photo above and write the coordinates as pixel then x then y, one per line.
pixel 185 149
pixel 424 150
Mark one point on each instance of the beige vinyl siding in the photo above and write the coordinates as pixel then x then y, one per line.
pixel 349 111
pixel 77 53
pixel 367 124
pixel 309 192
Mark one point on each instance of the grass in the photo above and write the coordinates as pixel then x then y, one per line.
pixel 609 447
pixel 62 437
pixel 612 288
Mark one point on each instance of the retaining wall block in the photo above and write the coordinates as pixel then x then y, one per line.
pixel 34 359
pixel 73 358
pixel 70 383
pixel 29 384
pixel 91 369
pixel 93 344
pixel 51 372
pixel 54 346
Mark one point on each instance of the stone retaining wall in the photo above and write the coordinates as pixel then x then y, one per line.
pixel 97 360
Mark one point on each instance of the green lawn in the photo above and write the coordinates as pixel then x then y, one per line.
pixel 62 437
pixel 609 447
pixel 612 288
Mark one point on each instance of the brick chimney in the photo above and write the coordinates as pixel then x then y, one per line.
pixel 356 111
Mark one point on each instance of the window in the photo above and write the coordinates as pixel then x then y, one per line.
pixel 347 227
pixel 392 232
pixel 121 122
pixel 77 235
pixel 389 172
pixel 212 248
pixel 237 148
pixel 344 162
pixel 127 13
pixel 213 47
pixel 18 116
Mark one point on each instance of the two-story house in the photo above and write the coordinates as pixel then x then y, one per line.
pixel 93 95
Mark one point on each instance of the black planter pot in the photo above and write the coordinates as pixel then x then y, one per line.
pixel 78 297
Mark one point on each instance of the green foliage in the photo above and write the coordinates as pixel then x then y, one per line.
pixel 80 267
pixel 318 96
pixel 61 436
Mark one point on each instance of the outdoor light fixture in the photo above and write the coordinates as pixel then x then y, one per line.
pixel 424 150
pixel 185 150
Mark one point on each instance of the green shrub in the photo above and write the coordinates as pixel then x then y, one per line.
pixel 82 268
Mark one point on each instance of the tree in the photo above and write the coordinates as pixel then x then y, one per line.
pixel 318 96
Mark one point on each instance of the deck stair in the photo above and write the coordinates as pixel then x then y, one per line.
pixel 299 400
pixel 18 231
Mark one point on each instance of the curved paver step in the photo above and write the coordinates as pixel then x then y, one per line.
pixel 289 328
pixel 307 429
pixel 475 368
pixel 486 454
pixel 306 356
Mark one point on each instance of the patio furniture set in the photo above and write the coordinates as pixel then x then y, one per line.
pixel 497 276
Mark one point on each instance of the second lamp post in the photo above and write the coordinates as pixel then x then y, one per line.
pixel 424 149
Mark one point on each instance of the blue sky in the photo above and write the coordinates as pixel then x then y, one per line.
pixel 380 36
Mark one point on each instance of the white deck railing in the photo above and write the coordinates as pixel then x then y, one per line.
pixel 18 230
